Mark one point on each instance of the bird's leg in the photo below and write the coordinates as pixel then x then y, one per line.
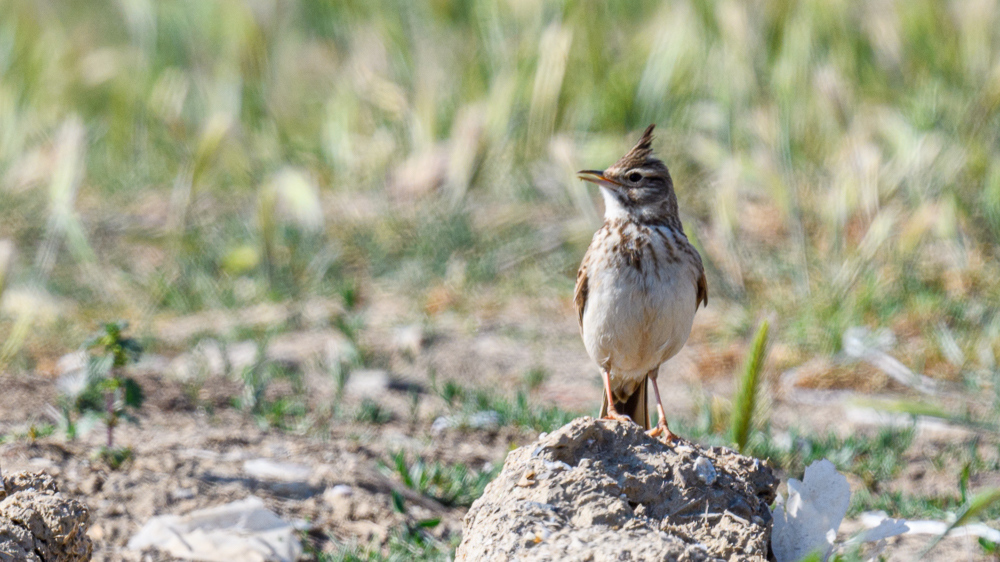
pixel 612 413
pixel 661 423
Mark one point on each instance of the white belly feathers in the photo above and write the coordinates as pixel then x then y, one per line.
pixel 638 317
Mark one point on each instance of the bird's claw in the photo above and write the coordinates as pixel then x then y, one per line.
pixel 617 417
pixel 669 437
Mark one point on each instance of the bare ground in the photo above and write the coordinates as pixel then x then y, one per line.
pixel 191 444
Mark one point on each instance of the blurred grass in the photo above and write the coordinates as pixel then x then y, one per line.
pixel 836 161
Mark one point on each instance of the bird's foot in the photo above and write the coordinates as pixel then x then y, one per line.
pixel 669 437
pixel 617 417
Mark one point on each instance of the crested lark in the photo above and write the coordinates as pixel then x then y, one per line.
pixel 639 285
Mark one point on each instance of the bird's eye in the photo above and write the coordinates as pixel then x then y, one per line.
pixel 634 177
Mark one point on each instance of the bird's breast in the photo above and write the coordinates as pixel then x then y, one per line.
pixel 641 301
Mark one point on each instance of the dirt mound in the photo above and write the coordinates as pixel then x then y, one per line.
pixel 38 524
pixel 602 490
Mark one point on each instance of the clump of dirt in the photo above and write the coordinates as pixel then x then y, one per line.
pixel 603 490
pixel 38 524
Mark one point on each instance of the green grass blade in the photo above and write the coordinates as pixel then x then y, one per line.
pixel 746 397
pixel 980 503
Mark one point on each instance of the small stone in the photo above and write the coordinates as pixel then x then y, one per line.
pixel 180 494
pixel 527 479
pixel 557 465
pixel 115 509
pixel 408 339
pixel 338 491
pixel 92 484
pixel 479 420
pixel 267 469
pixel 286 479
pixel 367 383
pixel 705 471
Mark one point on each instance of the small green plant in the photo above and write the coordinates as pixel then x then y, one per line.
pixel 746 397
pixel 372 412
pixel 535 378
pixel 67 421
pixel 115 458
pixel 282 413
pixel 38 431
pixel 109 391
pixel 452 392
pixel 452 485
pixel 414 415
pixel 255 378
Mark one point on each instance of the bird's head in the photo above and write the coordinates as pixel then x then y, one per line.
pixel 638 186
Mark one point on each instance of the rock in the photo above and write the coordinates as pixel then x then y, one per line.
pixel 92 484
pixel 38 524
pixel 367 383
pixel 339 491
pixel 408 339
pixel 181 494
pixel 268 469
pixel 486 419
pixel 242 530
pixel 601 490
pixel 283 478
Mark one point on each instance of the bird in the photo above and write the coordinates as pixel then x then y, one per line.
pixel 639 284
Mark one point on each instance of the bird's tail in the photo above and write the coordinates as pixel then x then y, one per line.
pixel 634 407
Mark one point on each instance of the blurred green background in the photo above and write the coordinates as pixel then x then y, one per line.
pixel 837 162
pixel 340 162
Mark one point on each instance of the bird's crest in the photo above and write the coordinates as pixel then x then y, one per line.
pixel 640 154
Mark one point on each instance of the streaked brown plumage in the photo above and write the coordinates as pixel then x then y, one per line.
pixel 639 284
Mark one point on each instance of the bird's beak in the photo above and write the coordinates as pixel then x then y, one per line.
pixel 598 177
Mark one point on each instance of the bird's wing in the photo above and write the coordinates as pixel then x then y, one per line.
pixel 700 283
pixel 582 288
pixel 702 288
